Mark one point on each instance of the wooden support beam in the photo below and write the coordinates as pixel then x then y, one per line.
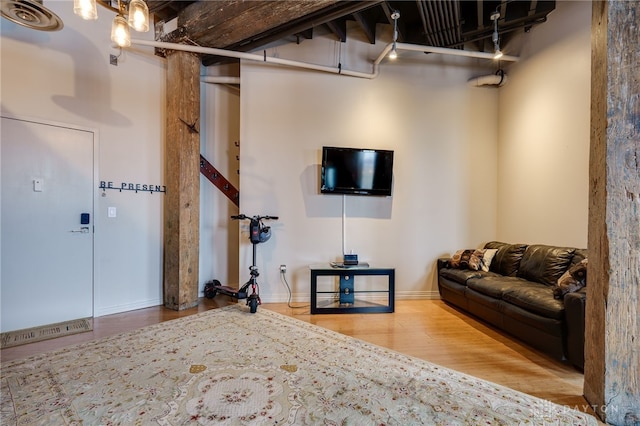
pixel 223 23
pixel 182 174
pixel 612 335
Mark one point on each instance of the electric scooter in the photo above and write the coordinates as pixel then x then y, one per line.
pixel 258 233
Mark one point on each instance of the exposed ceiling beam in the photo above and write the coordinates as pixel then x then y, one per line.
pixel 233 24
pixel 339 28
pixel 246 26
pixel 227 22
pixel 166 9
pixel 241 25
pixel 368 27
pixel 320 17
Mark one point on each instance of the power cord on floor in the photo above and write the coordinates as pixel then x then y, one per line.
pixel 283 278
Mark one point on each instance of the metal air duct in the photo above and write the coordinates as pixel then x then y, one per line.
pixel 31 14
pixel 493 80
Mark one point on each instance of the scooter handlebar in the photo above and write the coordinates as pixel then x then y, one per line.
pixel 244 216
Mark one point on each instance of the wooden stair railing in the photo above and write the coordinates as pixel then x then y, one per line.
pixel 216 178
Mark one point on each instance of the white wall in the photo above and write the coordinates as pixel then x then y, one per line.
pixel 544 131
pixel 65 77
pixel 444 135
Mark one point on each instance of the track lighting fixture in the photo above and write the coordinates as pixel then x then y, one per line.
pixel 495 38
pixel 137 17
pixel 394 53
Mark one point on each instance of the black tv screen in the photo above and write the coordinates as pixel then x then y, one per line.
pixel 356 171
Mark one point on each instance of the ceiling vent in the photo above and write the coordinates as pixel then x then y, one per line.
pixel 31 14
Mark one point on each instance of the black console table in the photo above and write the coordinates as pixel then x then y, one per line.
pixel 344 297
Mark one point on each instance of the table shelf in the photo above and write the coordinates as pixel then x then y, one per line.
pixel 346 295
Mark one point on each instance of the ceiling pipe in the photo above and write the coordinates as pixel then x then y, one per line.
pixel 219 79
pixel 493 80
pixel 253 57
pixel 453 52
pixel 323 68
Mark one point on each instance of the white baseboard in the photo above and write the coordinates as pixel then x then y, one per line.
pixel 116 309
pixel 417 295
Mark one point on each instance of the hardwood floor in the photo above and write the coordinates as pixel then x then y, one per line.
pixel 426 329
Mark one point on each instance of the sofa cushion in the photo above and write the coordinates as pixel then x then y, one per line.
pixel 507 259
pixel 536 298
pixel 494 285
pixel 459 275
pixel 579 256
pixel 545 264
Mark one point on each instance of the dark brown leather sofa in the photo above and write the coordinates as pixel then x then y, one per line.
pixel 516 295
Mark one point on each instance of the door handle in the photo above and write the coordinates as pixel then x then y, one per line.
pixel 83 230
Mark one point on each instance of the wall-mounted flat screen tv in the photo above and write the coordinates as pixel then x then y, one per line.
pixel 356 171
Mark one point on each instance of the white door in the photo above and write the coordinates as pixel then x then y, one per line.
pixel 46 224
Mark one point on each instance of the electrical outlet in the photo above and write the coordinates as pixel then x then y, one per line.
pixel 283 268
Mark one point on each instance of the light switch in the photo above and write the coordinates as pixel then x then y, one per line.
pixel 37 185
pixel 111 212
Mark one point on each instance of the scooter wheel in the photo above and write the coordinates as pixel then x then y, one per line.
pixel 253 305
pixel 210 289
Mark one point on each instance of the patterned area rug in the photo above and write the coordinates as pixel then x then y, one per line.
pixel 227 366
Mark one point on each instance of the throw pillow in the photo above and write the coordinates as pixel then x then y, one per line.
pixel 572 280
pixel 481 259
pixel 474 259
pixel 487 258
pixel 579 270
pixel 460 259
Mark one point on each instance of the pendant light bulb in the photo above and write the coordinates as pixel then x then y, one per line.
pixel 120 34
pixel 86 9
pixel 495 37
pixel 139 16
pixel 394 53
